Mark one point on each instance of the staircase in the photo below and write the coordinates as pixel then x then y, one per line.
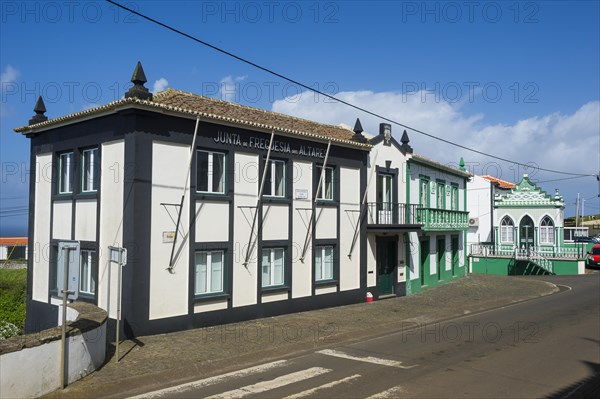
pixel 532 256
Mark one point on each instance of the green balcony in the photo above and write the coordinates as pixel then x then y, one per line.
pixel 434 219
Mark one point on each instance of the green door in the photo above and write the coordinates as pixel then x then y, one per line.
pixel 424 252
pixel 386 265
pixel 441 257
pixel 454 255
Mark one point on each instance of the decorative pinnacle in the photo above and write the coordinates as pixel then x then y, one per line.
pixel 358 132
pixel 405 147
pixel 461 164
pixel 138 79
pixel 358 129
pixel 39 109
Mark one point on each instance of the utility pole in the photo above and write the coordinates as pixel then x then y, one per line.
pixel 583 212
pixel 577 211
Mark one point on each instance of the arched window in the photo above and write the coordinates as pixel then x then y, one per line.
pixel 547 231
pixel 507 230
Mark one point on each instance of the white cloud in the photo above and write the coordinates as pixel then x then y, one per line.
pixel 9 75
pixel 229 88
pixel 160 85
pixel 555 141
pixel 8 78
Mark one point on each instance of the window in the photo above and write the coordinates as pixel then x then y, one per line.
pixel 424 193
pixel 272 267
pixel 326 190
pixel 507 230
pixel 65 173
pixel 275 179
pixel 323 263
pixel 210 172
pixel 89 175
pixel 547 231
pixel 440 195
pixel 209 272
pixel 454 197
pixel 87 272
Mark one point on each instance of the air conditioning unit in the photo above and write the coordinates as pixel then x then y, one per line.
pixel 473 222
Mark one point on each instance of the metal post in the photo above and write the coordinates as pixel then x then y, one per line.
pixel 120 276
pixel 65 292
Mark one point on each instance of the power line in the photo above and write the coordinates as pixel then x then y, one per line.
pixel 246 61
pixel 564 178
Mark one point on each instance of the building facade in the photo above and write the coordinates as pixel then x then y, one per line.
pixel 227 212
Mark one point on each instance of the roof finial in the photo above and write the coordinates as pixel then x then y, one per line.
pixel 461 164
pixel 358 132
pixel 39 110
pixel 405 147
pixel 138 79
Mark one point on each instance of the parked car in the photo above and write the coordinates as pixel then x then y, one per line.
pixel 593 258
pixel 595 240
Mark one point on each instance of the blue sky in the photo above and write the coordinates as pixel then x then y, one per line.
pixel 516 79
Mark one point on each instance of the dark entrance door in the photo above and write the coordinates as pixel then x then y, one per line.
pixel 454 255
pixel 526 232
pixel 387 258
pixel 441 257
pixel 424 255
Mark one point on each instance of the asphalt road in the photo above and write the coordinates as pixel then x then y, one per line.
pixel 545 347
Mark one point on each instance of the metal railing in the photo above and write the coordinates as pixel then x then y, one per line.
pixel 571 252
pixel 391 213
pixel 442 219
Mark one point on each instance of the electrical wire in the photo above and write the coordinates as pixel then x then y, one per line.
pixel 246 61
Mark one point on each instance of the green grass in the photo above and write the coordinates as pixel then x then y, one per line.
pixel 13 296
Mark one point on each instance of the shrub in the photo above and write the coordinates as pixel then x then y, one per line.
pixel 13 298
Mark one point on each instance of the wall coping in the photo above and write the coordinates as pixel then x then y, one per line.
pixel 90 317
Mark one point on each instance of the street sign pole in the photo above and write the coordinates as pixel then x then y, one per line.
pixel 120 275
pixel 65 292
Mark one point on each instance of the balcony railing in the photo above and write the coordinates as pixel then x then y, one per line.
pixel 391 213
pixel 571 252
pixel 434 219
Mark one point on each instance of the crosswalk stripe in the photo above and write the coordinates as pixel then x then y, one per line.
pixel 309 392
pixel 210 381
pixel 271 384
pixel 389 393
pixel 368 359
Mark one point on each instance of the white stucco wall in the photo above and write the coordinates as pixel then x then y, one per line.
pixel 212 221
pixel 275 222
pixel 326 222
pixel 85 220
pixel 169 168
pixel 245 193
pixel 41 228
pixel 349 204
pixel 302 272
pixel 61 220
pixel 111 221
pixel 479 206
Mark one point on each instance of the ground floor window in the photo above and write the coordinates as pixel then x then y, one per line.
pixel 209 272
pixel 547 231
pixel 273 267
pixel 87 272
pixel 323 263
pixel 507 231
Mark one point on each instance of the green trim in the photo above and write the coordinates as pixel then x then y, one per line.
pixel 408 191
pixel 434 165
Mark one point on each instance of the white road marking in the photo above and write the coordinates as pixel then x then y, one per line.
pixel 271 384
pixel 309 392
pixel 368 359
pixel 390 393
pixel 210 381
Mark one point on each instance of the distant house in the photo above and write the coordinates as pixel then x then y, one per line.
pixel 520 227
pixel 13 248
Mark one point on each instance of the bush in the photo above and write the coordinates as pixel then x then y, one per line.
pixel 13 298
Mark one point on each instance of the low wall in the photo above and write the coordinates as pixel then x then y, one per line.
pixel 30 364
pixel 505 266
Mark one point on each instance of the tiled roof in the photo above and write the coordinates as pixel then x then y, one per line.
pixel 428 161
pixel 218 111
pixel 501 183
pixel 13 240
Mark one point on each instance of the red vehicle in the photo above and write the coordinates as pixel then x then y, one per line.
pixel 594 256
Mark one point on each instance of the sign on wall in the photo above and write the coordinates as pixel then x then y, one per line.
pixel 73 250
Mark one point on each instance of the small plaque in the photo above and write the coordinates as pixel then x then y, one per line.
pixel 168 237
pixel 301 193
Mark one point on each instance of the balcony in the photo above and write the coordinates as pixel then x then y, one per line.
pixel 391 216
pixel 434 219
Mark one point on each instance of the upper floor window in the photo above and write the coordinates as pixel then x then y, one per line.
pixel 454 197
pixel 275 179
pixel 209 272
pixel 210 172
pixel 547 231
pixel 507 230
pixel 424 193
pixel 66 167
pixel 441 195
pixel 273 267
pixel 326 190
pixel 89 175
